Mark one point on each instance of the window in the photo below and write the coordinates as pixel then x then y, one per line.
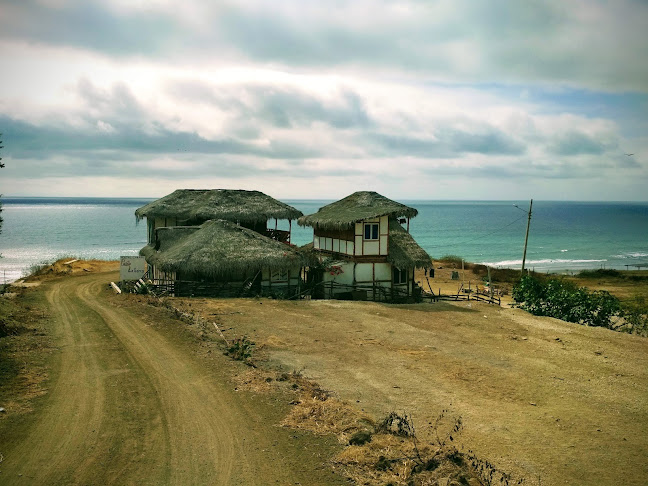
pixel 279 276
pixel 400 276
pixel 371 231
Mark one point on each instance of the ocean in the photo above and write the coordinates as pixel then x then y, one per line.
pixel 564 236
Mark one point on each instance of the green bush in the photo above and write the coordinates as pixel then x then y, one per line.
pixel 564 300
pixel 600 273
pixel 635 313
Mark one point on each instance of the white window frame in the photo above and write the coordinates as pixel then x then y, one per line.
pixel 371 232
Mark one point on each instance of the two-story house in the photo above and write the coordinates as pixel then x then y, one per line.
pixel 366 251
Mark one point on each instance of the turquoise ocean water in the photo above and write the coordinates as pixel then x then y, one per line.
pixel 563 236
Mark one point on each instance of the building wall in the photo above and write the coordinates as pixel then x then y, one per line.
pixel 367 277
pixel 281 280
pixel 153 223
pixel 364 247
pixel 354 243
pixel 158 276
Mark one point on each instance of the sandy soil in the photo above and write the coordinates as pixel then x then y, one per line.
pixel 561 402
pixel 130 402
pixel 133 393
pixel 468 280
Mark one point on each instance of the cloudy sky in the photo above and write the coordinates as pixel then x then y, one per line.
pixel 416 99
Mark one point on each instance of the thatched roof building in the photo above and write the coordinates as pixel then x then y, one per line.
pixel 404 251
pixel 218 248
pixel 194 206
pixel 358 206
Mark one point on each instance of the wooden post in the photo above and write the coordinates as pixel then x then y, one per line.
pixel 289 230
pixel 413 279
pixel 526 238
pixel 408 225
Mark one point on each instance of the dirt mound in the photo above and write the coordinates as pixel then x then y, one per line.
pixel 70 266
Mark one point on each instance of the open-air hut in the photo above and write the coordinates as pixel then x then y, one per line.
pixel 188 207
pixel 364 249
pixel 221 258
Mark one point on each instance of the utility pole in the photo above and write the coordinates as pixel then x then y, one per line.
pixel 526 238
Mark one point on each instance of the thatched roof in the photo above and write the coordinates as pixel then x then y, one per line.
pixel 404 252
pixel 199 205
pixel 219 247
pixel 358 206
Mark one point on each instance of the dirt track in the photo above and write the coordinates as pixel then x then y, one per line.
pixel 130 404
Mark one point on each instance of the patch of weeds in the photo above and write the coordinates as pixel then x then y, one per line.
pixel 397 455
pixel 241 349
pixel 395 424
pixel 599 273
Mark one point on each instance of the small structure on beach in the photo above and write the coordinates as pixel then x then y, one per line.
pixel 217 243
pixel 363 249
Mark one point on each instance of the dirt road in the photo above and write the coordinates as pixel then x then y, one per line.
pixel 130 404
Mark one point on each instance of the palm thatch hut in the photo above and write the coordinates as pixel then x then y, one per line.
pixel 221 258
pixel 187 207
pixel 364 249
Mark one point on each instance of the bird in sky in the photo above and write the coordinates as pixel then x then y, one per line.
pixel 629 155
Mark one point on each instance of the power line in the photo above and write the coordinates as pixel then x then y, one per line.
pixel 482 236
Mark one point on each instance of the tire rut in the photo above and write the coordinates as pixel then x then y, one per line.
pixel 129 405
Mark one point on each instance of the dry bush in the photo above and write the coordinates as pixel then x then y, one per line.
pixel 324 415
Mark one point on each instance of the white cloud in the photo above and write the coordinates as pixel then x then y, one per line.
pixel 325 98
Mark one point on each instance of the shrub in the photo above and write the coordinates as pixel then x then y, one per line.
pixel 601 272
pixel 241 349
pixel 635 313
pixel 564 300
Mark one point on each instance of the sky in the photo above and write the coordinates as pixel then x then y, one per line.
pixel 316 99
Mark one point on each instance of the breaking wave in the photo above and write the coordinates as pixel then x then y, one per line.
pixel 545 261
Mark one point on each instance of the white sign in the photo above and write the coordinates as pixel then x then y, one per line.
pixel 131 267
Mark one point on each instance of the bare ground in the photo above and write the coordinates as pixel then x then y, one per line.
pixel 556 402
pixel 132 393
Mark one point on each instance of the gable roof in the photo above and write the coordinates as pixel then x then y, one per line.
pixel 404 251
pixel 356 207
pixel 218 247
pixel 199 205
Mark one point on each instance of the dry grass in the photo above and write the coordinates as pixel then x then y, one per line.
pixel 326 415
pixel 60 268
pixel 23 336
